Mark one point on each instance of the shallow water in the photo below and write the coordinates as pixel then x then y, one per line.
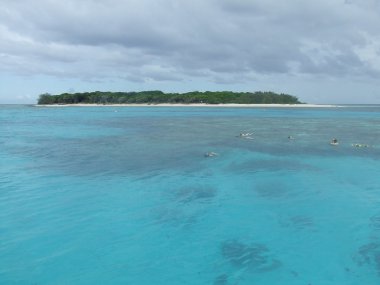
pixel 124 195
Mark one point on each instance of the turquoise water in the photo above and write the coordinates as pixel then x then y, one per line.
pixel 124 195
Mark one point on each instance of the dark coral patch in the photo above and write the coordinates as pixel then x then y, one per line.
pixel 369 254
pixel 255 256
pixel 195 193
pixel 221 280
pixel 375 222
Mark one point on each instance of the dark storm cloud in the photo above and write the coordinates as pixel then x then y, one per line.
pixel 170 40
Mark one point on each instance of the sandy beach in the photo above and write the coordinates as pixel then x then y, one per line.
pixel 198 105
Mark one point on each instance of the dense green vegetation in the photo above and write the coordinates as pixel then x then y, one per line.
pixel 157 97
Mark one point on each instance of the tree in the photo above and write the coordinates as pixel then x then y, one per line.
pixel 155 97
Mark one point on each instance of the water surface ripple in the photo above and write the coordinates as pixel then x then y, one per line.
pixel 125 195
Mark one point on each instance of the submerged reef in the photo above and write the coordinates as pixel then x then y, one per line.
pixel 255 256
pixel 369 254
pixel 194 193
pixel 375 222
pixel 221 280
pixel 182 209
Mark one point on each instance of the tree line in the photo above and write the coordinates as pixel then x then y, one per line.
pixel 157 97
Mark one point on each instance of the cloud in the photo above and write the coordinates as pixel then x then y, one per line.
pixel 167 40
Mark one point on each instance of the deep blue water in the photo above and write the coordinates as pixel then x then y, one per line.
pixel 124 195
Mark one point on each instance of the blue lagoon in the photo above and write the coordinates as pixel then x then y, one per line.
pixel 125 195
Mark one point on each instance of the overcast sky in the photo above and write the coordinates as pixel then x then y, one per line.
pixel 325 51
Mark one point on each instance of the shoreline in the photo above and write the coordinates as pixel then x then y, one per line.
pixel 196 105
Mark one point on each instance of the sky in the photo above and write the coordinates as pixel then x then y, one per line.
pixel 325 51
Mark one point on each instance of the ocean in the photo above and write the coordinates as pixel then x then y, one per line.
pixel 126 195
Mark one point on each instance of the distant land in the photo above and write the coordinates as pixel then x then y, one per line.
pixel 159 97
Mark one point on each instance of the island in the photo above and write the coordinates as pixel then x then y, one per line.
pixel 159 97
